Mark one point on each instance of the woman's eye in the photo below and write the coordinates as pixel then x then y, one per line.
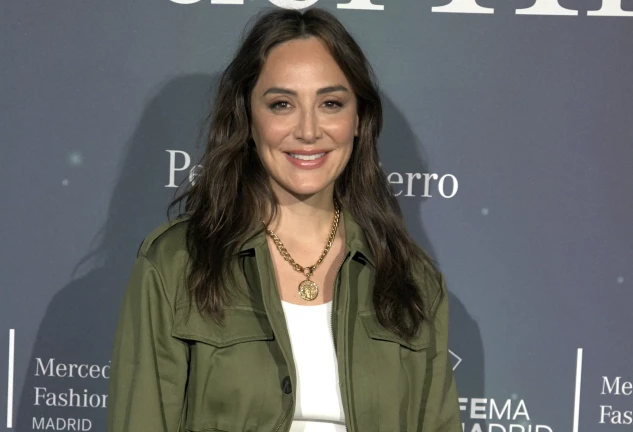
pixel 333 104
pixel 281 105
pixel 278 105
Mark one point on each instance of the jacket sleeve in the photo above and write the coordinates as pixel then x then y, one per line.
pixel 443 405
pixel 149 367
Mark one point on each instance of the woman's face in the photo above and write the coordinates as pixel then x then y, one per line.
pixel 304 117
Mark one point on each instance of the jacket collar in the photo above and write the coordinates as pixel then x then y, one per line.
pixel 355 239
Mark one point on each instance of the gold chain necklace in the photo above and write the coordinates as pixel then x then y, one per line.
pixel 308 290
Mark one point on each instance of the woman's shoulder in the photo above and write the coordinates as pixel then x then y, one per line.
pixel 165 242
pixel 157 274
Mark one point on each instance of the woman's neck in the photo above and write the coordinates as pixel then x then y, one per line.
pixel 309 219
pixel 302 217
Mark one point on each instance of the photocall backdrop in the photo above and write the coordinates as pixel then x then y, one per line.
pixel 508 141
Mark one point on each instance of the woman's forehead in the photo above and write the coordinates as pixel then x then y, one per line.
pixel 302 63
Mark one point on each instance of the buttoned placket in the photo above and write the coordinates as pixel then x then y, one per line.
pixel 354 243
pixel 276 317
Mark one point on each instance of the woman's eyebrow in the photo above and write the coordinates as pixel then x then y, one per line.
pixel 330 89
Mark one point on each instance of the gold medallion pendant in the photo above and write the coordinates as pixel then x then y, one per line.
pixel 308 290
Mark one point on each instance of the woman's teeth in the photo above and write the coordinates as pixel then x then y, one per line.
pixel 307 157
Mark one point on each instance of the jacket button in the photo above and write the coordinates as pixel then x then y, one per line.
pixel 286 385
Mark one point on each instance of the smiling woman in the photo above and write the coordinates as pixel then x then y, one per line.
pixel 288 295
pixel 304 131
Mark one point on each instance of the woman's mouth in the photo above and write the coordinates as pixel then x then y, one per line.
pixel 307 161
pixel 307 157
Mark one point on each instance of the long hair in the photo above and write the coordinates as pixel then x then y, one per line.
pixel 230 197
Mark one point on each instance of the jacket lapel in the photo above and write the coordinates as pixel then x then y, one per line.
pixel 355 239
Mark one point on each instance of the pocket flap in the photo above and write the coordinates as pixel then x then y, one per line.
pixel 375 330
pixel 241 324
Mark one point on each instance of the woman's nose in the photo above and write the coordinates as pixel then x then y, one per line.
pixel 307 128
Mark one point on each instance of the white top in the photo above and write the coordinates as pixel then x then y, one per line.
pixel 319 407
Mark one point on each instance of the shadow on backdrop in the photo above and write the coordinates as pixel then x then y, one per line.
pixel 80 321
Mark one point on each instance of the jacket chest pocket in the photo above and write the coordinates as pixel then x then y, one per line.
pixel 398 368
pixel 375 331
pixel 228 368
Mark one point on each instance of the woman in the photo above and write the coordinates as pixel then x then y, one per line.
pixel 288 296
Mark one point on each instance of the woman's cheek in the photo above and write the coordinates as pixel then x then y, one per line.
pixel 344 132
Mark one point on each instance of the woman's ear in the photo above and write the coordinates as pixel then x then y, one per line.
pixel 356 127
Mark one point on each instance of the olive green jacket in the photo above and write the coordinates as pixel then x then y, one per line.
pixel 170 373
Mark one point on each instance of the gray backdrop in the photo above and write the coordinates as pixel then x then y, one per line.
pixel 508 139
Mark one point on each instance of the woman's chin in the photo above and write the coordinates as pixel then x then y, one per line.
pixel 308 190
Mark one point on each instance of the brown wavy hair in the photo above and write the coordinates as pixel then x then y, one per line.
pixel 230 197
